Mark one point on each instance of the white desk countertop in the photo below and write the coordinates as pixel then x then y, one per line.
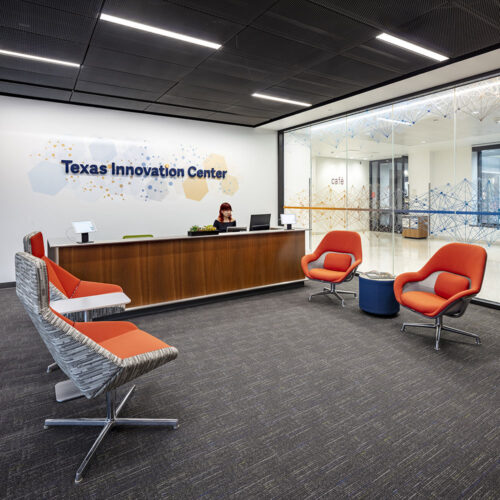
pixel 81 304
pixel 66 242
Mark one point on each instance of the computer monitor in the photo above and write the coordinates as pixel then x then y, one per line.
pixel 260 222
pixel 288 219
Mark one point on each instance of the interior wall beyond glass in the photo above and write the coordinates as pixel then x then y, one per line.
pixel 409 177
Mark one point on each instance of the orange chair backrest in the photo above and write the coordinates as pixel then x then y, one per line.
pixel 459 258
pixel 341 241
pixel 37 245
pixel 60 278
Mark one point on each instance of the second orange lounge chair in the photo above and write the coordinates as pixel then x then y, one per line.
pixel 334 261
pixel 63 285
pixel 443 287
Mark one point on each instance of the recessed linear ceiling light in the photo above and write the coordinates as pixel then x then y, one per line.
pixel 159 31
pixel 279 99
pixel 411 46
pixel 400 122
pixel 38 58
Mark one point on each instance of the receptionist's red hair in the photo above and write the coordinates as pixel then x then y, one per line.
pixel 224 206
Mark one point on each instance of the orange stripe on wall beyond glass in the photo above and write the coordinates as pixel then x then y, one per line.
pixel 333 208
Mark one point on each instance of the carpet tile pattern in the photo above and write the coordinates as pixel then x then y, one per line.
pixel 277 398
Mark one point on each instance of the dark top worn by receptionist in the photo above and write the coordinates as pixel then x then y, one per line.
pixel 222 226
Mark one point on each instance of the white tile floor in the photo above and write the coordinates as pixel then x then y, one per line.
pixel 411 254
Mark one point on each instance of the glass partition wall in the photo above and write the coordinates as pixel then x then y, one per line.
pixel 409 177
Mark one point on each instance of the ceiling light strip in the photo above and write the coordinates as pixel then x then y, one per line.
pixel 411 46
pixel 38 58
pixel 279 99
pixel 159 31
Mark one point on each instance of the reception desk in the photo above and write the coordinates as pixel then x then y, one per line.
pixel 154 271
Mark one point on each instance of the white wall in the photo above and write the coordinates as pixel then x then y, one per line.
pixel 36 194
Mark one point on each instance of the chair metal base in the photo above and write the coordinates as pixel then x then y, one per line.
pixel 111 419
pixel 66 391
pixel 52 367
pixel 438 326
pixel 333 291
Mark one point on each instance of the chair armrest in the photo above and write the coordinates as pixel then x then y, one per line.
pixel 353 267
pixel 401 281
pixel 456 298
pixel 305 260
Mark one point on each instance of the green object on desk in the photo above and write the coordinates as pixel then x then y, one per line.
pixel 127 236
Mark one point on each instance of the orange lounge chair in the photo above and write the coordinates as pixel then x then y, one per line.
pixel 443 287
pixel 334 261
pixel 63 285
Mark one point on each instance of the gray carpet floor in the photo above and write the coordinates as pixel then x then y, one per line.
pixel 277 398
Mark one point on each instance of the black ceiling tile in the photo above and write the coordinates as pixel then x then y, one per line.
pixel 451 31
pixel 121 79
pixel 51 80
pixel 203 93
pixel 388 14
pixel 214 80
pixel 115 90
pixel 310 85
pixel 241 11
pixel 113 37
pixel 236 119
pixel 336 87
pixel 110 102
pixel 487 10
pixel 32 18
pixel 89 8
pixel 240 66
pixel 388 56
pixel 314 25
pixel 178 111
pixel 130 63
pixel 34 91
pixel 193 103
pixel 172 17
pixel 247 111
pixel 349 70
pixel 43 46
pixel 265 46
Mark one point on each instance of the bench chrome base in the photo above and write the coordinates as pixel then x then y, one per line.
pixel 333 291
pixel 111 419
pixel 438 326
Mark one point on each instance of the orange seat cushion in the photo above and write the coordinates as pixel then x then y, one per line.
pixel 327 275
pixel 424 302
pixel 121 338
pixel 448 284
pixel 88 288
pixel 337 261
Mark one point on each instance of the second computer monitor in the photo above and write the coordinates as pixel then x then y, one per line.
pixel 260 222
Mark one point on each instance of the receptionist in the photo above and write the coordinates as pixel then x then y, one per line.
pixel 225 218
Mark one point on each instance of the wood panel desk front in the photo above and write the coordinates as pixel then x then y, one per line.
pixel 158 270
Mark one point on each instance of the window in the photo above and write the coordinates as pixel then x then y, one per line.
pixel 488 184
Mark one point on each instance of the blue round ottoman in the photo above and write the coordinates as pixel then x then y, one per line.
pixel 376 295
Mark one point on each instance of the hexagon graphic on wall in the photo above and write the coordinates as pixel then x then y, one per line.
pixel 102 151
pixel 195 189
pixel 215 161
pixel 229 185
pixel 47 178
